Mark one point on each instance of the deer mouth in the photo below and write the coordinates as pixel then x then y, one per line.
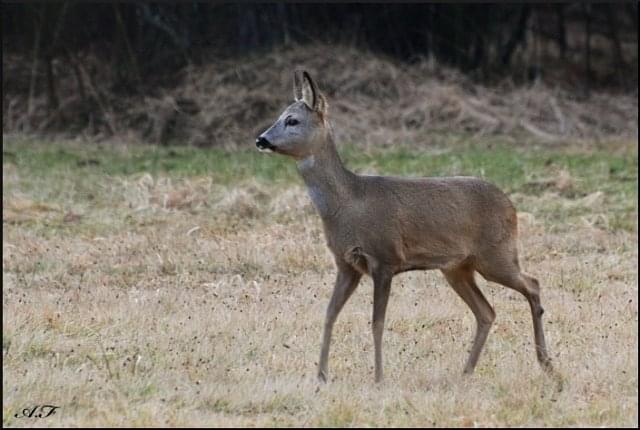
pixel 264 145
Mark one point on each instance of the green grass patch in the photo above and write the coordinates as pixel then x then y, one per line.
pixel 72 172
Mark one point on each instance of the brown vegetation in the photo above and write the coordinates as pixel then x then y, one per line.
pixel 152 300
pixel 377 100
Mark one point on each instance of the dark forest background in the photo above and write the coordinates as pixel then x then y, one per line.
pixel 52 49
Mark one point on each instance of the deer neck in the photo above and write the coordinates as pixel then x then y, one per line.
pixel 329 183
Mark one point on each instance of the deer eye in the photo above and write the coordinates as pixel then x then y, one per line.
pixel 290 121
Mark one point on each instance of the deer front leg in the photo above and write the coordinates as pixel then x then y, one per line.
pixel 381 290
pixel 346 283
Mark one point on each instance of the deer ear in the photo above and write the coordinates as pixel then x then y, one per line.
pixel 297 85
pixel 321 105
pixel 305 89
pixel 308 89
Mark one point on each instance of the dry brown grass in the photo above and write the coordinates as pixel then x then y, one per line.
pixel 180 302
pixel 374 100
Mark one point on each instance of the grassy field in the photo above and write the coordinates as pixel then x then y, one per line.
pixel 177 286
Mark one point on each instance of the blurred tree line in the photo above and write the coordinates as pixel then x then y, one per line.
pixel 143 42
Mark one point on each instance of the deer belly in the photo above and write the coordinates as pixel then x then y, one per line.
pixel 432 262
pixel 435 255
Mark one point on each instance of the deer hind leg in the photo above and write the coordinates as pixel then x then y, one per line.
pixel 510 276
pixel 533 297
pixel 461 279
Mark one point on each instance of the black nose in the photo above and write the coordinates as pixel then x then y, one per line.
pixel 263 143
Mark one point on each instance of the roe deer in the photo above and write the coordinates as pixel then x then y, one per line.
pixel 381 226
